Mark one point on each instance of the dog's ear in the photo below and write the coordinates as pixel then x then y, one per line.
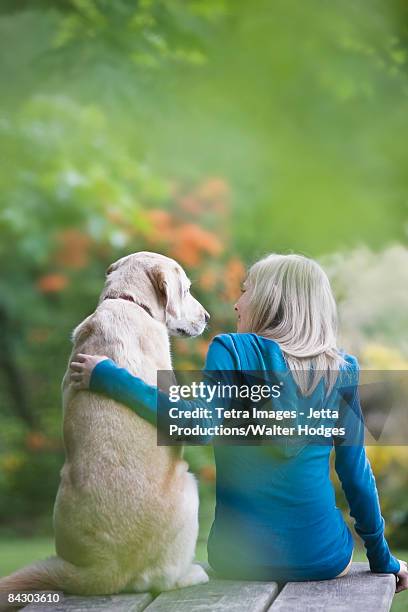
pixel 115 265
pixel 111 268
pixel 162 287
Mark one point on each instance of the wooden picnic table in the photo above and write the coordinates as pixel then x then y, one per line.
pixel 358 591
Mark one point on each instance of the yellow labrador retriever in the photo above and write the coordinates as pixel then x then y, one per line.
pixel 126 513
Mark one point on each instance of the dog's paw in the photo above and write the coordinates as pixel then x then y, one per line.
pixel 195 575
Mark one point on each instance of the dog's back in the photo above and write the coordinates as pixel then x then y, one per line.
pixel 115 478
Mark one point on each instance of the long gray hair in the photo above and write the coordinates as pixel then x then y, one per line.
pixel 290 301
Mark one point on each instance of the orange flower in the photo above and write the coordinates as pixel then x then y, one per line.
pixel 115 215
pixel 213 188
pixel 73 248
pixel 207 280
pixel 215 192
pixel 191 204
pixel 234 274
pixel 162 222
pixel 52 283
pixel 207 473
pixel 181 346
pixel 35 440
pixel 161 218
pixel 191 242
pixel 202 347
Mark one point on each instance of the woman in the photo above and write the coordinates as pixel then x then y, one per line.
pixel 276 517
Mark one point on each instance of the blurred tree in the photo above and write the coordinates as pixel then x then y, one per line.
pixel 145 33
pixel 11 372
pixel 72 189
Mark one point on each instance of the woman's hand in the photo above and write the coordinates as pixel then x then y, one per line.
pixel 81 369
pixel 402 577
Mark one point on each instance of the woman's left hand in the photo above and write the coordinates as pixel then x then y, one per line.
pixel 402 577
pixel 81 369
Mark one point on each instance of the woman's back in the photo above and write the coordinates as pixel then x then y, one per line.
pixel 276 515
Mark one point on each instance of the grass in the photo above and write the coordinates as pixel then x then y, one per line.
pixel 16 552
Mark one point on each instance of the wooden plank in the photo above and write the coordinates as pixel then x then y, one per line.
pixel 358 591
pixel 218 596
pixel 129 602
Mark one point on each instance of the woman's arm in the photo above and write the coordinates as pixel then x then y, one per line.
pixel 148 401
pixel 358 483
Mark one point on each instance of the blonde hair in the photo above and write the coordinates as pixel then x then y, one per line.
pixel 290 301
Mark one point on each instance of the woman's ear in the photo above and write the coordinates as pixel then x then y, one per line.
pixel 163 288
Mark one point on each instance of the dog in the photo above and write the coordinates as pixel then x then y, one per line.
pixel 126 512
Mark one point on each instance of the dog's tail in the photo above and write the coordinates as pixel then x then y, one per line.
pixel 56 574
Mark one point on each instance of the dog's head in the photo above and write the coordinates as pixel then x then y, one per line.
pixel 161 286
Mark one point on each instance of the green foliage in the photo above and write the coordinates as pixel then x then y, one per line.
pixel 147 32
pixel 65 170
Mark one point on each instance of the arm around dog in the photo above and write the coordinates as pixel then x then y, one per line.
pixel 152 404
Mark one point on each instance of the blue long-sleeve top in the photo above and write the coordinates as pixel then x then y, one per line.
pixel 276 516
